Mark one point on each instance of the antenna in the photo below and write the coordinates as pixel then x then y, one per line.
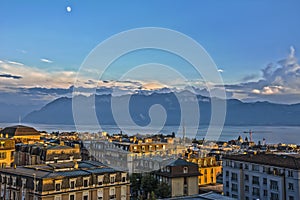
pixel 183 132
pixel 19 119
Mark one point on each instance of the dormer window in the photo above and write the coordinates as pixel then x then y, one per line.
pixel 185 170
pixel 168 169
pixel 112 179
pixel 85 182
pixel 100 180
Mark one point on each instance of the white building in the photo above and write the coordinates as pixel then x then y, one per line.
pixel 262 176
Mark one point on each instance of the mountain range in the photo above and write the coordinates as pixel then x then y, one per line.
pixel 59 111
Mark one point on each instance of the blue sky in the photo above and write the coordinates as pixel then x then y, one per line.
pixel 242 37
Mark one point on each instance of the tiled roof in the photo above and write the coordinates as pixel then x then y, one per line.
pixel 180 162
pixel 60 169
pixel 291 161
pixel 19 130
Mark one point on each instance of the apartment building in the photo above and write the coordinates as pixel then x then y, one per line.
pixel 7 148
pixel 209 169
pixel 39 153
pixel 262 176
pixel 85 180
pixel 181 175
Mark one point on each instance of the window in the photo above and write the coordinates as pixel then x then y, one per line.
pixel 100 194
pixel 227 173
pixel 234 187
pixel 85 197
pixel 265 181
pixel 273 185
pixel 274 196
pixel 2 155
pixel 100 180
pixel 255 191
pixel 85 183
pixel 185 170
pixel 291 186
pixel 246 177
pixel 123 192
pixel 112 193
pixel 234 176
pixel 290 173
pixel 72 184
pixel 255 168
pixel 57 186
pixel 184 181
pixel 247 188
pixel 227 183
pixel 58 197
pixel 246 166
pixel 168 169
pixel 72 197
pixel 112 179
pixel 291 197
pixel 255 180
pixel 265 193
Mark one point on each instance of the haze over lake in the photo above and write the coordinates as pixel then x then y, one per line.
pixel 272 134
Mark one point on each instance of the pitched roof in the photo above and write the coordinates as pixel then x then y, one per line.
pixel 291 161
pixel 19 130
pixel 180 162
pixel 60 169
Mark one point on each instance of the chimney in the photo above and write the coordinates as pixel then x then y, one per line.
pixel 6 135
pixel 75 164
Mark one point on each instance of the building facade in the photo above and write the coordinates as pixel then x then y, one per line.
pixel 34 154
pixel 262 176
pixel 209 169
pixel 181 176
pixel 85 180
pixel 7 148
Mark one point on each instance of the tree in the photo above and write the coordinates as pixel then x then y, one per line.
pixel 163 190
pixel 149 184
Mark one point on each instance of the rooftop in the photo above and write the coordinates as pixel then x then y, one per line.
pixel 19 130
pixel 291 161
pixel 60 169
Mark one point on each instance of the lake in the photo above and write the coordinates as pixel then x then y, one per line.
pixel 272 134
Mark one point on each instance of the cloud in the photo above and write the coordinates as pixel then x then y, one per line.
pixel 46 60
pixel 280 82
pixel 10 76
pixel 249 77
pixel 14 63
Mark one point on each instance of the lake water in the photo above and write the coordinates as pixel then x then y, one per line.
pixel 272 134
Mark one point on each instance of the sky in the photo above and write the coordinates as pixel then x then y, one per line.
pixel 254 44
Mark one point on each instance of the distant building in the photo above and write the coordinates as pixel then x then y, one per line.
pixel 21 134
pixel 209 169
pixel 182 176
pixel 7 148
pixel 85 180
pixel 34 154
pixel 262 176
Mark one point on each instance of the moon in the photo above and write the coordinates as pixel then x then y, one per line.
pixel 69 9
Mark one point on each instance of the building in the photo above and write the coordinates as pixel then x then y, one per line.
pixel 85 180
pixel 34 154
pixel 21 134
pixel 262 176
pixel 7 148
pixel 209 169
pixel 182 176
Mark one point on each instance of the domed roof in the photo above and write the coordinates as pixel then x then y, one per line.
pixel 19 130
